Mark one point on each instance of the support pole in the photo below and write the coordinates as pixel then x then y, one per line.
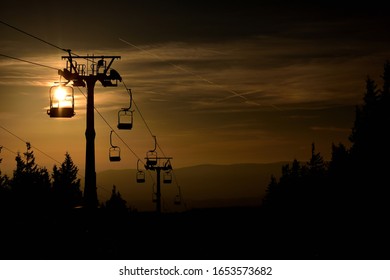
pixel 158 193
pixel 154 164
pixel 78 76
pixel 90 193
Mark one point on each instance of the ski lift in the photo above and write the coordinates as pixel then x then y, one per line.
pixel 151 156
pixel 61 102
pixel 125 119
pixel 167 177
pixel 114 151
pixel 167 165
pixel 125 115
pixel 140 176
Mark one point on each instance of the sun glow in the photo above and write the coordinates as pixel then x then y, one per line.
pixel 60 94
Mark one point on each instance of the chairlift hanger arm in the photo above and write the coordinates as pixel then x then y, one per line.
pixel 155 144
pixel 131 102
pixel 111 140
pixel 131 99
pixel 138 165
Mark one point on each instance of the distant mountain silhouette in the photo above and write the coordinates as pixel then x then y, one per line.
pixel 202 186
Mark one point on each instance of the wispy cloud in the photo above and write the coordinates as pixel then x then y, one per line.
pixel 269 71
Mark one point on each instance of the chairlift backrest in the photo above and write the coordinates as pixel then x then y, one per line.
pixel 151 158
pixel 125 119
pixel 114 153
pixel 140 177
pixel 167 178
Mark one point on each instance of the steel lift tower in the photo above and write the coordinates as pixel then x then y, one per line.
pixel 158 164
pixel 98 68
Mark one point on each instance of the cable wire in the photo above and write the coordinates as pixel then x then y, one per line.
pixel 143 119
pixel 69 52
pixel 9 150
pixel 222 87
pixel 116 133
pixel 33 36
pixel 24 141
pixel 153 136
pixel 27 61
pixel 42 65
pixel 39 150
pixel 42 40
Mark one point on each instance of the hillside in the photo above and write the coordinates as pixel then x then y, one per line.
pixel 201 186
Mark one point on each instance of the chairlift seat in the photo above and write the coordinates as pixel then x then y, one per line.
pixel 151 158
pixel 151 161
pixel 125 119
pixel 114 153
pixel 115 158
pixel 60 112
pixel 167 178
pixel 125 125
pixel 140 177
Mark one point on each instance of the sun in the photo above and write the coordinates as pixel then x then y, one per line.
pixel 60 94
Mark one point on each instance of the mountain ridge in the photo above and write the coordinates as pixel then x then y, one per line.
pixel 202 185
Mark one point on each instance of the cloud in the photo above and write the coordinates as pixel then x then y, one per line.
pixel 276 71
pixel 270 71
pixel 255 84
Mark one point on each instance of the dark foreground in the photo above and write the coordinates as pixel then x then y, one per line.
pixel 226 233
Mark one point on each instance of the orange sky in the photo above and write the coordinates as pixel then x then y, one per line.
pixel 232 84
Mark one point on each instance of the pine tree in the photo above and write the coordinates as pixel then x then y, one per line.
pixel 3 178
pixel 316 165
pixel 30 183
pixel 365 129
pixel 370 149
pixel 4 188
pixel 386 82
pixel 116 202
pixel 384 118
pixel 66 185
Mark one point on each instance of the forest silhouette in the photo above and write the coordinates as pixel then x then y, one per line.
pixel 336 209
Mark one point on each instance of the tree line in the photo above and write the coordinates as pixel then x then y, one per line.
pixel 32 187
pixel 347 196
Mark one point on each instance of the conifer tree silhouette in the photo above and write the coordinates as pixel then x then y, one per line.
pixel 4 189
pixel 66 186
pixel 30 183
pixel 116 202
pixel 349 196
